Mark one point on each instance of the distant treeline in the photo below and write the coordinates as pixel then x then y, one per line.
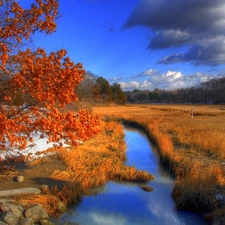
pixel 97 90
pixel 212 91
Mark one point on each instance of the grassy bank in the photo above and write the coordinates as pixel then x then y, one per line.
pixel 88 165
pixel 193 148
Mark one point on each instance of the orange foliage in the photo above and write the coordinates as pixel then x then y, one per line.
pixel 45 83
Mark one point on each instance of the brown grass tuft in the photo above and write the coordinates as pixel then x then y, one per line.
pixel 99 160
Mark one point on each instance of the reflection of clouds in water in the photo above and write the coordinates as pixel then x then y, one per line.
pixel 163 212
pixel 93 218
pixel 107 219
pixel 119 188
pixel 163 180
pixel 103 218
pixel 127 204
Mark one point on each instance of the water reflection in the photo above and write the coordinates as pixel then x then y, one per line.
pixel 141 149
pixel 127 203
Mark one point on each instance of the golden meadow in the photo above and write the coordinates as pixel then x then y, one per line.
pixel 88 165
pixel 192 148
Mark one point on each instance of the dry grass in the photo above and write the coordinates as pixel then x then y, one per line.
pixel 7 172
pixel 48 202
pixel 88 165
pixel 99 160
pixel 51 197
pixel 193 148
pixel 196 190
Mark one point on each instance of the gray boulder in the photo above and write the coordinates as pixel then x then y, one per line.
pixel 16 209
pixel 19 178
pixel 26 221
pixel 19 191
pixel 36 212
pixel 2 223
pixel 10 218
pixel 4 200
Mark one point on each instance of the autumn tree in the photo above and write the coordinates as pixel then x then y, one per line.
pixel 34 85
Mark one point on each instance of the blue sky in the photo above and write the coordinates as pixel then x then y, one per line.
pixel 143 44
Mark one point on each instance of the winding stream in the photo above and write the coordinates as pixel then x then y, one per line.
pixel 127 203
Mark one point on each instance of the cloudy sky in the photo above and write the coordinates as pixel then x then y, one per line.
pixel 143 44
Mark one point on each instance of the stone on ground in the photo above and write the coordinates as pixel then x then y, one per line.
pixel 10 218
pixel 36 212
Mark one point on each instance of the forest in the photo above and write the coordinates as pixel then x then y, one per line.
pixel 210 92
pixel 97 91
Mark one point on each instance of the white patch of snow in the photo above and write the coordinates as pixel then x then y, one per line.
pixel 38 145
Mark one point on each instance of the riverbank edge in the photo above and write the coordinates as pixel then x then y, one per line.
pixel 216 217
pixel 61 196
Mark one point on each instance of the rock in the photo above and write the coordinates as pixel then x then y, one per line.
pixel 19 191
pixel 19 178
pixel 3 208
pixel 2 223
pixel 24 204
pixel 146 188
pixel 46 222
pixel 3 200
pixel 26 221
pixel 10 218
pixel 36 212
pixel 16 209
pixel 61 207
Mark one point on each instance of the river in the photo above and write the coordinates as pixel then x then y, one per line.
pixel 126 203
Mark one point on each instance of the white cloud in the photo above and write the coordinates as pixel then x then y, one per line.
pixel 135 85
pixel 145 84
pixel 130 85
pixel 205 78
pixel 150 72
pixel 168 80
pixel 199 74
pixel 115 79
pixel 172 75
pixel 177 85
pixel 200 77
